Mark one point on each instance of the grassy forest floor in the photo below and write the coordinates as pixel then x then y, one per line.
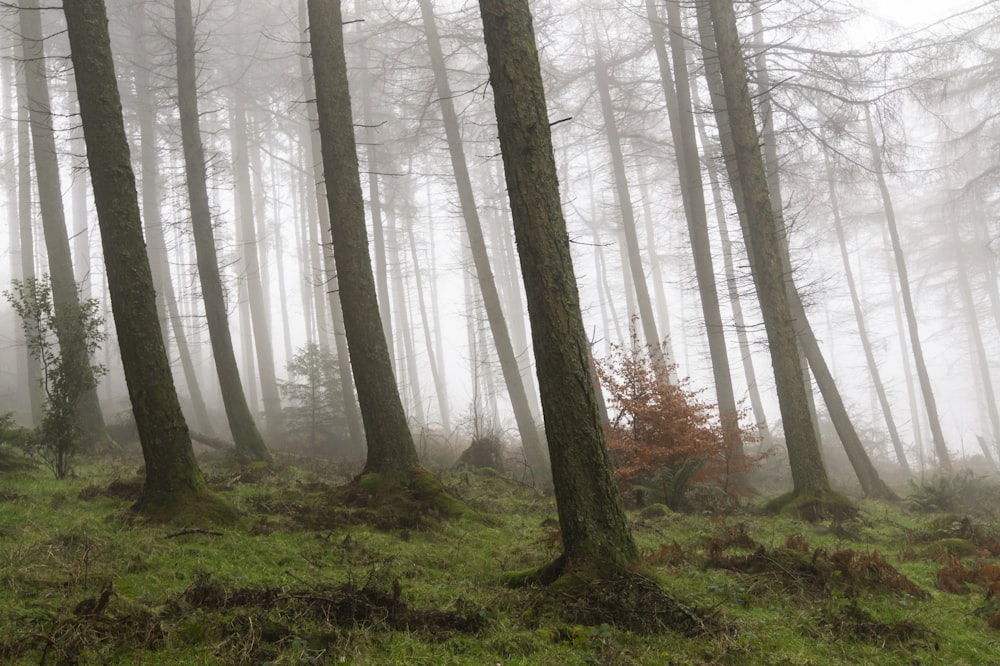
pixel 303 580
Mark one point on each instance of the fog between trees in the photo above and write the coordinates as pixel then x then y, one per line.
pixel 883 154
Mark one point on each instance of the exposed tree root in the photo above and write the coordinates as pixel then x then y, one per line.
pixel 612 595
pixel 813 506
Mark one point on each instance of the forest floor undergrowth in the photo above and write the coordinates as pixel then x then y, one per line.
pixel 304 579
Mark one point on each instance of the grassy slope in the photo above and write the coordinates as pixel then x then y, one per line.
pixel 298 583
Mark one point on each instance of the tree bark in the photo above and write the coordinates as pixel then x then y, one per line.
pixel 390 443
pixel 591 517
pixel 65 296
pixel 314 159
pixel 249 444
pixel 527 429
pixel 172 474
pixel 156 243
pixel 762 239
pixel 940 448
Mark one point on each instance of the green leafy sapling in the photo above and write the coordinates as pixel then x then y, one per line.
pixel 57 438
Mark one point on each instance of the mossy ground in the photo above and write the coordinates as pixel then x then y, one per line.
pixel 300 579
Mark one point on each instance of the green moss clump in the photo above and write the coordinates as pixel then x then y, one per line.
pixel 200 509
pixel 814 506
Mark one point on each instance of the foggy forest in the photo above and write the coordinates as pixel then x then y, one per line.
pixel 509 332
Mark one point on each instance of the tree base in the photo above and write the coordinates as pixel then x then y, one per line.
pixel 813 506
pixel 401 500
pixel 194 509
pixel 614 595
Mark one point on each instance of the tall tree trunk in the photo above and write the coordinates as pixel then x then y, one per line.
pixel 246 437
pixel 624 199
pixel 594 531
pixel 859 317
pixel 172 474
pixel 26 236
pixel 762 239
pixel 249 252
pixel 314 159
pixel 390 443
pixel 65 297
pixel 526 426
pixel 772 168
pixel 156 243
pixel 677 91
pixel 940 448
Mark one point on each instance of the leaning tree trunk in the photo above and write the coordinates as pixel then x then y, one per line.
pixel 173 479
pixel 769 149
pixel 390 443
pixel 677 91
pixel 313 155
pixel 940 448
pixel 249 444
pixel 595 532
pixel 859 317
pixel 526 426
pixel 762 239
pixel 65 297
pixel 156 242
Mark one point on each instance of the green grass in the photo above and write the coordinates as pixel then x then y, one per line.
pixel 83 580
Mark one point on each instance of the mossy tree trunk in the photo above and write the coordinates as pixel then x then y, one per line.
pixel 520 403
pixel 249 444
pixel 595 533
pixel 172 474
pixel 763 239
pixel 156 243
pixel 390 443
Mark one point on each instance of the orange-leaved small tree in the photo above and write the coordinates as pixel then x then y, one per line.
pixel 661 434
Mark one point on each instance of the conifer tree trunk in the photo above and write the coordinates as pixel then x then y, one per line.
pixel 676 90
pixel 311 144
pixel 65 297
pixel 172 475
pixel 762 240
pixel 156 243
pixel 526 427
pixel 633 255
pixel 592 521
pixel 940 448
pixel 249 444
pixel 249 251
pixel 26 235
pixel 390 443
pixel 883 399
